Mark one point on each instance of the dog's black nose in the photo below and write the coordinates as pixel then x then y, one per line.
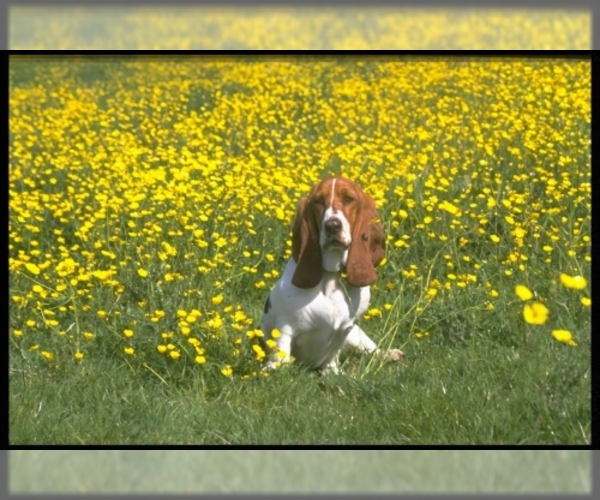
pixel 333 226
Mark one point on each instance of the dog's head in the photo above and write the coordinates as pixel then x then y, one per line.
pixel 337 227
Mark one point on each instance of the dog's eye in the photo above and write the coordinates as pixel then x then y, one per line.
pixel 347 199
pixel 320 201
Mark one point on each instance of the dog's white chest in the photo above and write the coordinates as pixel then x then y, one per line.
pixel 338 304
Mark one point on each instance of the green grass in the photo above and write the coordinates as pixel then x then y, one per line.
pixel 150 208
pixel 467 394
pixel 300 471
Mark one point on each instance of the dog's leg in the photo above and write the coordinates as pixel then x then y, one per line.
pixel 361 341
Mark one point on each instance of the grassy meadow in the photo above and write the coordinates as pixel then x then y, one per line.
pixel 150 211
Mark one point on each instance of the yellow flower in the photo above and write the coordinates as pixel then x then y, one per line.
pixel 523 292
pixel 79 355
pixel 128 333
pixel 254 333
pixel 65 267
pixel 217 299
pixel 275 333
pixel 227 371
pixel 586 301
pixel 103 275
pixel 575 282
pixel 47 355
pixel 564 336
pixel 200 360
pixel 494 238
pixel 130 351
pixel 374 311
pixel 536 313
pixel 142 272
pixel 88 335
pixel 260 353
pixel 17 333
pixel 175 354
pixel 32 268
pixel 161 348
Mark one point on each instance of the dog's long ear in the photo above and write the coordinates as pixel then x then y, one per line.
pixel 367 249
pixel 305 248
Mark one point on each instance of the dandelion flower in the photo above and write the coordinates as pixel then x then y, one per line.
pixel 47 355
pixel 575 282
pixel 523 292
pixel 564 336
pixel 32 268
pixel 260 353
pixel 254 333
pixel 535 314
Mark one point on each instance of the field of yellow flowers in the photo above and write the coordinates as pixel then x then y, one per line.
pixel 151 202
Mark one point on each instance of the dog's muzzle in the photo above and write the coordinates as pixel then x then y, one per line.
pixel 333 233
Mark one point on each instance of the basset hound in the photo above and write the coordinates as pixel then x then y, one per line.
pixel 336 230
